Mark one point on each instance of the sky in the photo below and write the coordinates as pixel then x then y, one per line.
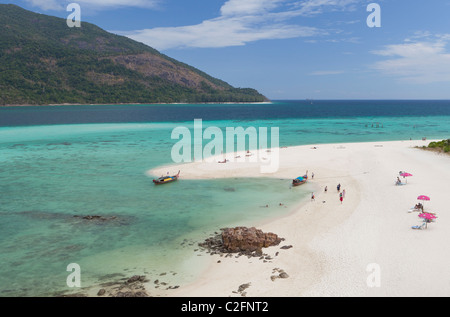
pixel 290 49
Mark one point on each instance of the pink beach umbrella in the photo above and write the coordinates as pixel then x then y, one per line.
pixel 404 174
pixel 423 197
pixel 427 216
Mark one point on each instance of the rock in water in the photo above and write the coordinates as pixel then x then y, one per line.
pixel 101 292
pixel 136 278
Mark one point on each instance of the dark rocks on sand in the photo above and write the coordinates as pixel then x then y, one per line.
pixel 131 294
pixel 132 287
pixel 281 274
pixel 243 287
pixel 136 278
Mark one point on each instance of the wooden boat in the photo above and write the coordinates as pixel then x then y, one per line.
pixel 166 179
pixel 299 180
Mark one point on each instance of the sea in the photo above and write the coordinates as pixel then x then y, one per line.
pixel 59 164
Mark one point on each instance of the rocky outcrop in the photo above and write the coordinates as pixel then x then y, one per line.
pixel 247 239
pixel 242 240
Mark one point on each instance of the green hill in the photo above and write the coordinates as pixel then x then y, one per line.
pixel 43 61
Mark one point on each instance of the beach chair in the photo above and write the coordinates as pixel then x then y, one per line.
pixel 421 227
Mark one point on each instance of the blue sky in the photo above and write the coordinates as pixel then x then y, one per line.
pixel 290 49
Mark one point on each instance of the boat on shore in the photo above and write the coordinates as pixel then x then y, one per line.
pixel 299 180
pixel 166 179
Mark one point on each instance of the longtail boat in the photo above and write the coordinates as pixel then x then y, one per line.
pixel 166 179
pixel 299 180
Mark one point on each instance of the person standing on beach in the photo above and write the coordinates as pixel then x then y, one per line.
pixel 343 193
pixel 312 175
pixel 312 197
pixel 341 198
pixel 326 189
pixel 339 187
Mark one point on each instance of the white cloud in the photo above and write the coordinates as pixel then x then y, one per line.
pixel 219 33
pixel 424 61
pixel 312 7
pixel 240 22
pixel 248 7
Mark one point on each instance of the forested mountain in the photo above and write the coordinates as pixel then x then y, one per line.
pixel 43 61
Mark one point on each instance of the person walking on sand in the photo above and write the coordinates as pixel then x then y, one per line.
pixel 343 193
pixel 341 198
pixel 312 197
pixel 312 175
pixel 339 187
pixel 326 189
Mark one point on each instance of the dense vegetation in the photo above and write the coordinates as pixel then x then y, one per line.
pixel 43 61
pixel 443 145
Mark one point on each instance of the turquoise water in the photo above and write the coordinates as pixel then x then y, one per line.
pixel 51 173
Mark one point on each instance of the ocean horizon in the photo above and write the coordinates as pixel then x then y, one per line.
pixel 58 164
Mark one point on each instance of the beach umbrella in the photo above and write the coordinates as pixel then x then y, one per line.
pixel 404 174
pixel 427 216
pixel 423 197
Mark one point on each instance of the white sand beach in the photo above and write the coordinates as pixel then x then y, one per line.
pixel 336 247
